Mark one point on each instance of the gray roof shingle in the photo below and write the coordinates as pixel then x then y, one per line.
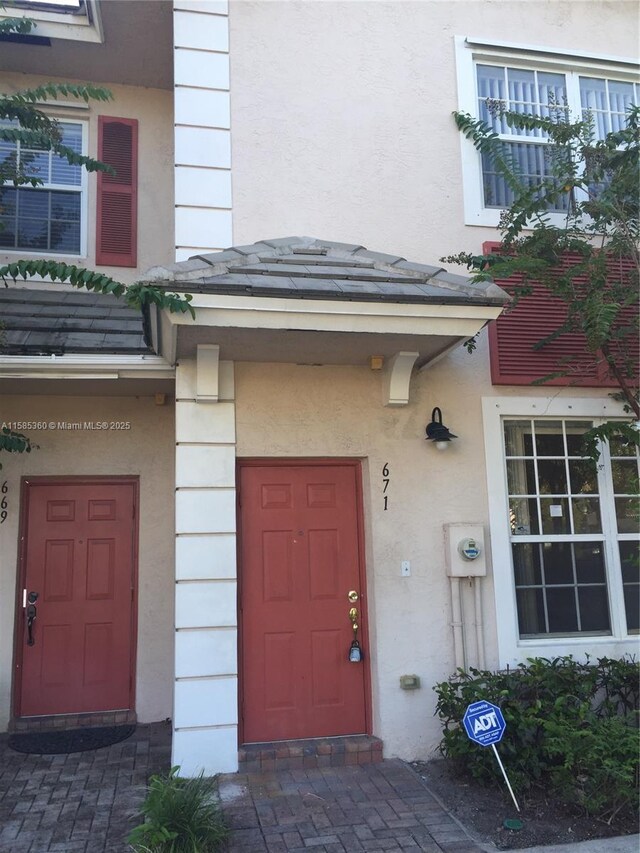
pixel 46 322
pixel 308 268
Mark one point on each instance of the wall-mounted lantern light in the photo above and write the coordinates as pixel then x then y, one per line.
pixel 438 432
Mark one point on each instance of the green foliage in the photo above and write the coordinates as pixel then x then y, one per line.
pixel 597 762
pixel 34 129
pixel 19 26
pixel 15 442
pixel 181 816
pixel 596 181
pixel 593 438
pixel 571 727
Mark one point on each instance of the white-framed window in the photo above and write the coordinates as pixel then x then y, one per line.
pixel 565 535
pixel 49 218
pixel 75 20
pixel 540 82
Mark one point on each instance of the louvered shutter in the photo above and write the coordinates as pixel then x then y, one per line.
pixel 512 337
pixel 116 238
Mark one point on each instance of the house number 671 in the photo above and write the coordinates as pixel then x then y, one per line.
pixel 385 485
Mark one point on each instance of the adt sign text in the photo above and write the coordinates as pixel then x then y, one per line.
pixel 484 723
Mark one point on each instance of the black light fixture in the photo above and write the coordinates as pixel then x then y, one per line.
pixel 438 432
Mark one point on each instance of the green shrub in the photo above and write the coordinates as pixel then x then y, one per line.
pixel 598 763
pixel 571 728
pixel 181 816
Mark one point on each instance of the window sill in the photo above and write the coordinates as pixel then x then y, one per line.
pixel 489 217
pixel 573 639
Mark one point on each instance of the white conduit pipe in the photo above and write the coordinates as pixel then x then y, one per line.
pixel 479 622
pixel 456 624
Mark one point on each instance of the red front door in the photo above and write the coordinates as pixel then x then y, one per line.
pixel 79 549
pixel 301 557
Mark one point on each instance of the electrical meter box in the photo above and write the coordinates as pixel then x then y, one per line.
pixel 464 549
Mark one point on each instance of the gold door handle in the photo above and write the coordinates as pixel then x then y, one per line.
pixel 355 652
pixel 353 616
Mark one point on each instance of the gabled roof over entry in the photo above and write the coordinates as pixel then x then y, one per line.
pixel 308 268
pixel 309 301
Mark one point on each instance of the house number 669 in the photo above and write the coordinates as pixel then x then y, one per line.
pixel 3 503
pixel 385 485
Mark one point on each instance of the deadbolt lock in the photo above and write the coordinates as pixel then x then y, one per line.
pixel 352 595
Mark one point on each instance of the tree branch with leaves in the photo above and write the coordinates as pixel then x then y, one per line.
pixel 25 124
pixel 586 204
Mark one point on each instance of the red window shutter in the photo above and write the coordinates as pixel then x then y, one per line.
pixel 512 338
pixel 117 214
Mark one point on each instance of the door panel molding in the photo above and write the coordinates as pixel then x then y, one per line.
pixel 363 633
pixel 23 536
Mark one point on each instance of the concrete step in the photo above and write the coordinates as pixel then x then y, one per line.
pixel 72 721
pixel 315 752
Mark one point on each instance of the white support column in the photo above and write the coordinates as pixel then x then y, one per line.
pixel 202 117
pixel 207 373
pixel 205 718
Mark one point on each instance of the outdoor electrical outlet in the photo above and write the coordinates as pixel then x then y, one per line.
pixel 405 568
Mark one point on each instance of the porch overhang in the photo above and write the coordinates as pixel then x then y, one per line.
pixel 307 301
pixel 270 329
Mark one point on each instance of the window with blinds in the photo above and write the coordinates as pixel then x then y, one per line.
pixel 556 95
pixel 48 217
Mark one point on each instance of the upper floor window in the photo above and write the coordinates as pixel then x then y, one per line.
pixel 547 86
pixel 48 217
pixel 607 101
pixel 75 20
pixel 522 91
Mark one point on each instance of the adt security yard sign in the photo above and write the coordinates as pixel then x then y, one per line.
pixel 484 723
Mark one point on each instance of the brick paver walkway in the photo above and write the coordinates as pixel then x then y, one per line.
pixel 85 802
pixel 370 808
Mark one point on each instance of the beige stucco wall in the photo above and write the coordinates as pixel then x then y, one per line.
pixel 146 450
pixel 341 112
pixel 291 410
pixel 342 129
pixel 154 110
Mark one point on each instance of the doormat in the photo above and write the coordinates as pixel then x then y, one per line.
pixel 72 740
